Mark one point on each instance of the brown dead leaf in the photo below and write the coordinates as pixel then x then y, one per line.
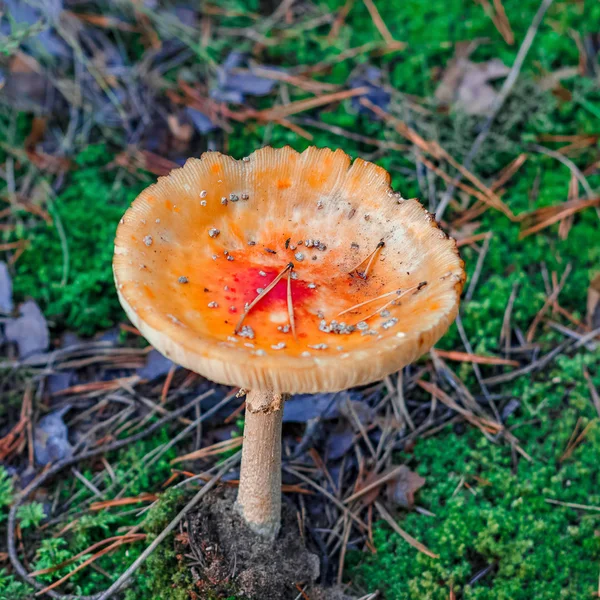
pixel 465 84
pixel 402 489
pixel 593 303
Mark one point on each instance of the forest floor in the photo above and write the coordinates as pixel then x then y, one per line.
pixel 485 452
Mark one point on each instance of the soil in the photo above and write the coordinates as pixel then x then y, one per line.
pixel 235 560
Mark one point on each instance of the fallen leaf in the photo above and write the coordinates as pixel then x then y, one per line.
pixel 201 122
pixel 6 303
pixel 370 77
pixel 51 438
pixel 339 441
pixel 156 366
pixel 29 331
pixel 402 489
pixel 465 85
pixel 593 303
pixel 235 79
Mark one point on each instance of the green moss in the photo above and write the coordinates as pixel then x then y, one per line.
pixel 73 282
pixel 500 530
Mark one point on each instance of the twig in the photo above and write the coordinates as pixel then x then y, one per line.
pixel 405 536
pixel 569 164
pixel 478 267
pixel 378 21
pixel 572 505
pixel 57 468
pixel 505 91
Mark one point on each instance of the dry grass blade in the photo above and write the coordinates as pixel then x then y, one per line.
pixel 329 496
pixel 375 484
pixel 405 536
pixel 549 301
pixel 293 108
pixel 379 47
pixel 123 501
pixel 262 294
pixel 378 21
pixel 497 14
pixel 93 558
pixel 70 561
pixel 573 443
pixel 436 151
pixel 593 391
pixel 217 448
pixel 116 586
pixel 573 505
pixel 552 214
pixel 485 425
pixel 475 358
pixel 508 172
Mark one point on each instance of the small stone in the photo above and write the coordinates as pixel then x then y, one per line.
pixel 157 221
pixel 312 286
pixel 294 275
pixel 122 221
pixel 232 309
pixel 262 273
pixel 203 194
pixel 213 304
pixel 247 332
pixel 202 202
pixel 246 159
pixel 214 257
pixel 318 346
pixel 251 243
pixel 213 232
pixel 260 352
pixel 319 204
pixel 390 323
pixel 245 196
pixel 354 246
pixel 259 290
pixel 183 279
pixel 299 256
pixel 234 197
pixel 224 201
pixel 148 240
pixel 279 346
pixel 249 345
pixel 306 354
pixel 362 326
pixel 230 258
pixel 385 313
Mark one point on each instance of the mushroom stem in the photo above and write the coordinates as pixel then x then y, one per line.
pixel 259 495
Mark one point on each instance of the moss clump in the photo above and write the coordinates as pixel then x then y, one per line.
pixel 72 280
pixel 499 538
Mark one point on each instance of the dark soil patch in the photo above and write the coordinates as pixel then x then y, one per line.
pixel 236 560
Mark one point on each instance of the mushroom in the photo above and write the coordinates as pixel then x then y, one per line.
pixel 311 276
